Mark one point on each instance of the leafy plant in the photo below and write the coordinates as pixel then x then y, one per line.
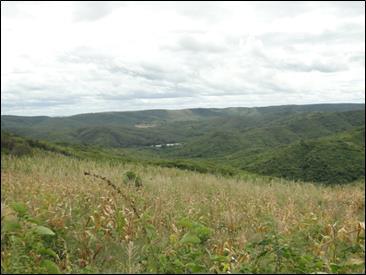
pixel 30 246
pixel 132 177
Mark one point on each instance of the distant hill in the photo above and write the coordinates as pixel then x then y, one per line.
pixel 225 140
pixel 337 158
pixel 306 142
pixel 167 126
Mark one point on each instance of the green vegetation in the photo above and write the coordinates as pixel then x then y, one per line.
pixel 317 143
pixel 75 208
pixel 11 142
pixel 118 129
pixel 55 219
pixel 131 176
pixel 338 158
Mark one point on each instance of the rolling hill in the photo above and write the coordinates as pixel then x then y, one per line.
pixel 165 126
pixel 303 142
pixel 337 158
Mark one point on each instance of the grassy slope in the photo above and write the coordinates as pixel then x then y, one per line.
pixel 20 146
pixel 184 221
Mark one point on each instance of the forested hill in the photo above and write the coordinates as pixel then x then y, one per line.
pixel 322 142
pixel 138 128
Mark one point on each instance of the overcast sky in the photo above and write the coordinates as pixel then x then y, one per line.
pixel 64 58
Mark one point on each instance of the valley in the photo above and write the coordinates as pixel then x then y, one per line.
pixel 266 140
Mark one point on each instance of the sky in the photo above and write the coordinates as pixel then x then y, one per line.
pixel 65 58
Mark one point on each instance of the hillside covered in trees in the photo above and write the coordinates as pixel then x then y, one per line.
pixel 319 143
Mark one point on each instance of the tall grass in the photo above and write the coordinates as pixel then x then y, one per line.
pixel 183 221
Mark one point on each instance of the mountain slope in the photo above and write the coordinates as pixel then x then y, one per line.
pixel 141 128
pixel 289 129
pixel 337 158
pixel 311 142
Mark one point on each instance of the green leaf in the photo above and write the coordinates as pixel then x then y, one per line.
pixel 334 267
pixel 185 222
pixel 50 266
pixel 49 252
pixel 150 231
pixel 195 268
pixel 44 231
pixel 190 239
pixel 11 225
pixel 202 232
pixel 20 208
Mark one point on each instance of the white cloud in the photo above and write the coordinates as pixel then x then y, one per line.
pixel 61 58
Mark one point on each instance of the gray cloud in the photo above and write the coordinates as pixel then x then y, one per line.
pixel 347 8
pixel 358 58
pixel 94 10
pixel 116 66
pixel 210 12
pixel 346 33
pixel 39 103
pixel 140 94
pixel 125 56
pixel 322 64
pixel 324 67
pixel 194 45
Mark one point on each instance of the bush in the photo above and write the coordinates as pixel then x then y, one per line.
pixel 13 145
pixel 21 149
pixel 130 177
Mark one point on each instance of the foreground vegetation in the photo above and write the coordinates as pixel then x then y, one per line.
pixel 58 219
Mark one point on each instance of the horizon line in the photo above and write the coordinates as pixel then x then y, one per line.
pixel 195 108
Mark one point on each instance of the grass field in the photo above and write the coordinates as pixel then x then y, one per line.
pixel 56 219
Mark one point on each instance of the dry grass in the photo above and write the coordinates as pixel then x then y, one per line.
pixel 101 233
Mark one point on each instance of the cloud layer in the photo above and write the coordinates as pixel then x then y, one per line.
pixel 74 57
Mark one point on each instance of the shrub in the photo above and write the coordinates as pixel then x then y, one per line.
pixel 132 177
pixel 21 149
